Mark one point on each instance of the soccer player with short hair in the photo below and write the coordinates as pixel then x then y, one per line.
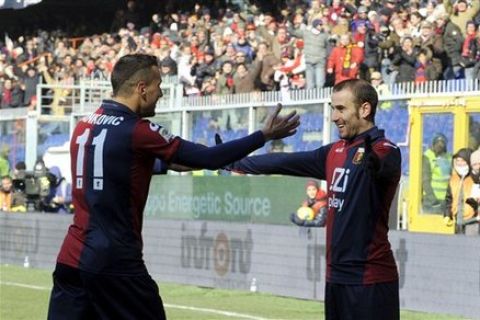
pixel 362 171
pixel 100 272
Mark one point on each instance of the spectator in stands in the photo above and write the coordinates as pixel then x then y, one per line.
pixel 460 188
pixel 225 79
pixel 244 79
pixel 19 170
pixel 313 212
pixel 168 67
pixel 241 32
pixel 425 70
pixel 428 39
pixel 405 60
pixel 470 51
pixel 474 202
pixel 315 40
pixel 204 69
pixel 29 85
pixel 10 200
pixel 475 166
pixel 360 19
pixel 6 193
pixel 11 95
pixel 277 43
pixel 371 62
pixel 452 41
pixel 436 170
pixel 414 25
pixel 382 88
pixel 462 11
pixel 387 46
pixel 476 67
pixel 345 59
pixel 269 61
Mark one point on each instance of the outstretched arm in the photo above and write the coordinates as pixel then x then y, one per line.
pixel 198 156
pixel 300 164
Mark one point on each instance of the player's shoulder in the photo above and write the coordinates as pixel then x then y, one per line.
pixel 386 144
pixel 149 128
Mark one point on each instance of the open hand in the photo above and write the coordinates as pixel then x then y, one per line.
pixel 278 127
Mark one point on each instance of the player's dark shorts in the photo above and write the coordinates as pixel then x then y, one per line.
pixel 378 301
pixel 81 295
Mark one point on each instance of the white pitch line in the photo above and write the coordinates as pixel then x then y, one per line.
pixel 223 313
pixel 167 305
pixel 28 286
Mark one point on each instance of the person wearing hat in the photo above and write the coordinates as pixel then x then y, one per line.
pixel 361 18
pixel 313 212
pixel 436 170
pixel 460 205
pixel 315 45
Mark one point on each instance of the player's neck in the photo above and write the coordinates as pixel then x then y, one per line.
pixel 126 101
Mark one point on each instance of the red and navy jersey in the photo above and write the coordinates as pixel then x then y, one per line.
pixel 112 160
pixel 358 250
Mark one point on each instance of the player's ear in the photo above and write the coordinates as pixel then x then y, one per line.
pixel 141 88
pixel 365 110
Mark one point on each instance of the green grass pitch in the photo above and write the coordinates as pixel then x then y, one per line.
pixel 24 294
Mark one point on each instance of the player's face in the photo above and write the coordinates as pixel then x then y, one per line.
pixel 151 95
pixel 346 115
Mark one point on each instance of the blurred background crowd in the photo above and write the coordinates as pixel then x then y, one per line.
pixel 219 47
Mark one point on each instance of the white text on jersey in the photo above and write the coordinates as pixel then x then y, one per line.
pixel 102 119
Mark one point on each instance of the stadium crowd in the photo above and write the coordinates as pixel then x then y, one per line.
pixel 232 49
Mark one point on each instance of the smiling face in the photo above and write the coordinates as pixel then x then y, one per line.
pixel 350 118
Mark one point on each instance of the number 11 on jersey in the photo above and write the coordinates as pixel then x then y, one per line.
pixel 97 142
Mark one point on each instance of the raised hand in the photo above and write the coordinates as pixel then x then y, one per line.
pixel 278 127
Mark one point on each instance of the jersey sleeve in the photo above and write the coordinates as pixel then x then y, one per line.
pixel 301 164
pixel 215 157
pixel 156 140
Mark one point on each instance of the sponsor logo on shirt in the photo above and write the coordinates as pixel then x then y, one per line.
pixel 338 185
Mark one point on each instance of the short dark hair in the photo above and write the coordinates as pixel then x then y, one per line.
pixel 362 92
pixel 133 67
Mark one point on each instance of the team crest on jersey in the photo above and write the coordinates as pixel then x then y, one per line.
pixel 358 157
